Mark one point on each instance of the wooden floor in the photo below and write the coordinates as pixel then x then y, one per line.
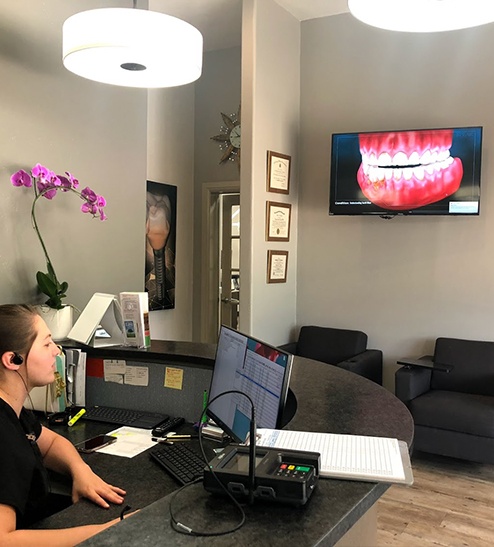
pixel 451 503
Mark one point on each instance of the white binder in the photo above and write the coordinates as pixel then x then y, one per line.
pixel 100 323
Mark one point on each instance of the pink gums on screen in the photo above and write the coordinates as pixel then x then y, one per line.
pixel 408 169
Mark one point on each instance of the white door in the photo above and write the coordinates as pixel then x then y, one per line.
pixel 229 289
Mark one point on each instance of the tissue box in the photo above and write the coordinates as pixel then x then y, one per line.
pixel 135 315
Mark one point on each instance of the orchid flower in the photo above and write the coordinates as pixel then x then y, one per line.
pixel 46 183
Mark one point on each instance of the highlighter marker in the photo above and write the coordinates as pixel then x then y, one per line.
pixel 204 406
pixel 74 419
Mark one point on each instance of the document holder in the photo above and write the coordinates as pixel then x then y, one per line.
pixel 100 323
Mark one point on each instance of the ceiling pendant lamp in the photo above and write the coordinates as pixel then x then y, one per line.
pixel 423 15
pixel 132 47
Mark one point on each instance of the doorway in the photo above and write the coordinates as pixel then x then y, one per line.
pixel 229 274
pixel 220 280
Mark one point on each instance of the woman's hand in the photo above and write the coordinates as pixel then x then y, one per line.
pixel 86 484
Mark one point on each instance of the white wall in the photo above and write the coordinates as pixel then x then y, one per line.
pixel 171 161
pixel 109 138
pixel 217 91
pixel 270 121
pixel 408 280
pixel 96 131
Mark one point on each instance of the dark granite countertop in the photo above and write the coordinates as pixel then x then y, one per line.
pixel 329 400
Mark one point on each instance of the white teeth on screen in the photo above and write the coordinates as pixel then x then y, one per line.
pixel 381 169
pixel 376 174
pixel 384 159
pixel 443 155
pixel 400 158
pixel 426 158
pixel 419 173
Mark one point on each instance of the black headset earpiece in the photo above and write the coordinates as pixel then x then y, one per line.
pixel 17 359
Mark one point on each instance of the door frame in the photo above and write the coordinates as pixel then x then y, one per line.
pixel 209 240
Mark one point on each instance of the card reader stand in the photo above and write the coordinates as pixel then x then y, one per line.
pixel 282 476
pixel 100 323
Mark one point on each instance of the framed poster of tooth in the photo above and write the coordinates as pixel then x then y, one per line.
pixel 161 214
pixel 278 172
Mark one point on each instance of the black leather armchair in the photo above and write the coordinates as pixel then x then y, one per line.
pixel 340 347
pixel 451 398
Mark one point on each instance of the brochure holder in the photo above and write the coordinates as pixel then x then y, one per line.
pixel 100 323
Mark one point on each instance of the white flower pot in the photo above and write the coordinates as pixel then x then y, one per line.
pixel 58 321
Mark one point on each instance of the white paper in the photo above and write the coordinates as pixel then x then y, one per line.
pixel 137 376
pixel 130 442
pixel 114 366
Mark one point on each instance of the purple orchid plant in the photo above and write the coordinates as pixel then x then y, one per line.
pixel 47 184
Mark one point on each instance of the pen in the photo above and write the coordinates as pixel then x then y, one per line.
pixel 74 419
pixel 181 437
pixel 161 441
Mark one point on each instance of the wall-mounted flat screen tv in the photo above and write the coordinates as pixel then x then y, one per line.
pixel 414 172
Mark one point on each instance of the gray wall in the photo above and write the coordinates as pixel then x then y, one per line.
pixel 404 281
pixel 218 90
pixel 101 134
pixel 270 121
pixel 97 132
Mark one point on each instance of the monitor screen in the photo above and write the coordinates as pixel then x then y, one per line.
pixel 252 367
pixel 413 172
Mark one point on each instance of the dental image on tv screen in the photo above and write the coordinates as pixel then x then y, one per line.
pixel 427 172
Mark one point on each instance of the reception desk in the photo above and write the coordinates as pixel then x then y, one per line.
pixel 339 512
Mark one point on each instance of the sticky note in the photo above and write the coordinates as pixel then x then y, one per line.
pixel 174 378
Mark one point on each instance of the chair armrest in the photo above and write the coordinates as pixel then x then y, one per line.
pixel 412 381
pixel 369 364
pixel 291 347
pixel 426 361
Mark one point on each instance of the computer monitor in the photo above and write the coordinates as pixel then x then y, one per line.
pixel 255 368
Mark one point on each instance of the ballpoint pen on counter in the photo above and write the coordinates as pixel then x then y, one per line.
pixel 180 437
pixel 160 440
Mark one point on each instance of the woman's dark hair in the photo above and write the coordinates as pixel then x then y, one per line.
pixel 17 330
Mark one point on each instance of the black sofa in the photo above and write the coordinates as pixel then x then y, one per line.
pixel 343 348
pixel 451 398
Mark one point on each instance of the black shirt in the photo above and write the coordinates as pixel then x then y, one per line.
pixel 23 477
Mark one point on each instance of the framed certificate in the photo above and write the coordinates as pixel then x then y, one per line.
pixel 278 216
pixel 277 266
pixel 278 173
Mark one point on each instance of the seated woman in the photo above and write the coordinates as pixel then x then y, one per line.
pixel 28 449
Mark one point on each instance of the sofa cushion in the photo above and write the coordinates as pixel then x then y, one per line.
pixel 454 411
pixel 330 345
pixel 473 363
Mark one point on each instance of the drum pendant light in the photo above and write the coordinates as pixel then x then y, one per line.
pixel 132 47
pixel 423 15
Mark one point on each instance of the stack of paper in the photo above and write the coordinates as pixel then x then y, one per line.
pixel 377 459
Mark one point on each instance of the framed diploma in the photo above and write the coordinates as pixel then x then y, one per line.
pixel 278 173
pixel 278 216
pixel 277 266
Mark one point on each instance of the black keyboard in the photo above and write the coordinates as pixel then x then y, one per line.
pixel 180 461
pixel 124 416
